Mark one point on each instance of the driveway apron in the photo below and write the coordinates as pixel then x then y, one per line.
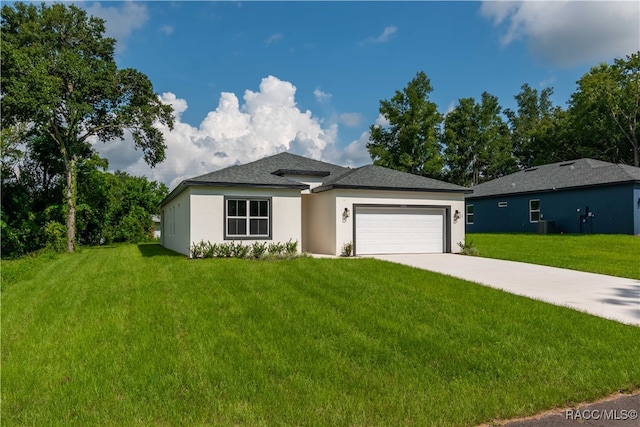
pixel 605 296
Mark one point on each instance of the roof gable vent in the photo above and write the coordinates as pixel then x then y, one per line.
pixel 568 164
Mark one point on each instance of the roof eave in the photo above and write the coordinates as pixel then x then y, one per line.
pixel 189 183
pixel 378 188
pixel 552 190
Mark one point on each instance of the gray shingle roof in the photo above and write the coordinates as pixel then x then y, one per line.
pixel 378 178
pixel 267 173
pixel 261 172
pixel 558 176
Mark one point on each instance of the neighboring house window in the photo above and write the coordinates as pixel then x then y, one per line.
pixel 247 218
pixel 502 204
pixel 534 210
pixel 469 214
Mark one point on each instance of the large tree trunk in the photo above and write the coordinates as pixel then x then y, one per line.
pixel 70 196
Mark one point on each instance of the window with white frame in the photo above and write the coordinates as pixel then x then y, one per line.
pixel 247 218
pixel 502 204
pixel 534 210
pixel 469 214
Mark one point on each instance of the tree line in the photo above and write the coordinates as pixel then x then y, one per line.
pixel 479 140
pixel 62 90
pixel 110 207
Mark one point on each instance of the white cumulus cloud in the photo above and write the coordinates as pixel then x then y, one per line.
pixel 321 97
pixel 567 33
pixel 120 22
pixel 386 35
pixel 351 119
pixel 356 153
pixel 265 123
pixel 382 121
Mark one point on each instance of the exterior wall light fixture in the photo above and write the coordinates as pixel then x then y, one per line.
pixel 345 214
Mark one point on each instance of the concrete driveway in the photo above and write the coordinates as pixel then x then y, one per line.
pixel 605 296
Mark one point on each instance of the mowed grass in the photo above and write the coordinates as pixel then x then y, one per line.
pixel 133 335
pixel 615 255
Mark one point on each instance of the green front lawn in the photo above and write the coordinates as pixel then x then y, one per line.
pixel 615 255
pixel 132 335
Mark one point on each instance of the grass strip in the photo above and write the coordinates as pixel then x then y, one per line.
pixel 611 254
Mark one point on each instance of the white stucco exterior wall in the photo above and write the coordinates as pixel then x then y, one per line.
pixel 344 198
pixel 197 214
pixel 207 213
pixel 175 224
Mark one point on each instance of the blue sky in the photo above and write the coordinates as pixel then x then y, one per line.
pixel 249 79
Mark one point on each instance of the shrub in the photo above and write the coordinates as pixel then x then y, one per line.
pixel 291 248
pixel 258 249
pixel 276 249
pixel 56 236
pixel 224 250
pixel 347 249
pixel 468 248
pixel 197 250
pixel 209 250
pixel 238 250
pixel 134 227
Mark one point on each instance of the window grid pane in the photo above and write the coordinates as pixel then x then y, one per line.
pixel 232 207
pixel 257 218
pixel 534 210
pixel 242 208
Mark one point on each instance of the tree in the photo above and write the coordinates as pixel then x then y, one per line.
pixel 133 200
pixel 30 185
pixel 605 110
pixel 477 142
pixel 409 142
pixel 530 125
pixel 59 76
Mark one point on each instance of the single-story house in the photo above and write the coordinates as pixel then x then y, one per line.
pixel 320 205
pixel 578 196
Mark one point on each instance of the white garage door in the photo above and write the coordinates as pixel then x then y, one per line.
pixel 382 230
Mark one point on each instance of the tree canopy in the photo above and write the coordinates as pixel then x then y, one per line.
pixel 410 141
pixel 61 85
pixel 476 140
pixel 606 110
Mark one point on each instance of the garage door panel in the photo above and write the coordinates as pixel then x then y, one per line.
pixel 399 230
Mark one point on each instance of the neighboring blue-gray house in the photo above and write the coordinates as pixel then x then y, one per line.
pixel 579 196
